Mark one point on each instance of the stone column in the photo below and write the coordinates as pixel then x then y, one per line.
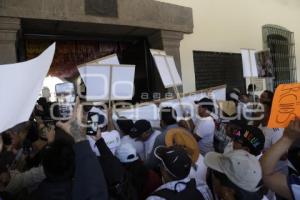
pixel 168 41
pixel 8 37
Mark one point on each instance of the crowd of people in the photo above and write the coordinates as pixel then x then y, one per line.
pixel 207 157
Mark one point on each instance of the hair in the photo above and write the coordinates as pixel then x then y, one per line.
pixel 6 138
pixel 268 104
pixel 43 102
pixel 61 135
pixel 270 94
pixel 168 115
pixel 138 174
pixel 58 161
pixel 251 87
pixel 207 104
pixel 240 194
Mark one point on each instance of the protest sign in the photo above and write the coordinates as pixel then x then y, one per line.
pixel 264 63
pixel 20 85
pixel 249 63
pixel 167 70
pixel 106 82
pixel 107 60
pixel 286 105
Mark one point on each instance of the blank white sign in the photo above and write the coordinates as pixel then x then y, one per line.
pixel 122 87
pixel 97 81
pixel 109 60
pixel 249 63
pixel 20 84
pixel 157 52
pixel 167 69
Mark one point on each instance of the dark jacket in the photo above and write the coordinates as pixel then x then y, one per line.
pixel 89 182
pixel 48 190
pixel 118 182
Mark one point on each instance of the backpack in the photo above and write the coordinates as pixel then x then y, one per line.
pixel 190 192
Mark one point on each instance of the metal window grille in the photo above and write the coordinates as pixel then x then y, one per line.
pixel 281 43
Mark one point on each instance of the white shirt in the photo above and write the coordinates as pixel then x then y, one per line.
pixel 171 185
pixel 138 145
pixel 272 135
pixel 199 171
pixel 205 128
pixel 148 144
pixel 112 140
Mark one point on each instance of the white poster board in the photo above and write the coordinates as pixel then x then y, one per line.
pixel 249 63
pixel 100 83
pixel 96 80
pixel 157 52
pixel 167 70
pixel 122 87
pixel 107 60
pixel 20 85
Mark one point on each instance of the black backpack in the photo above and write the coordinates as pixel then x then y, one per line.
pixel 190 192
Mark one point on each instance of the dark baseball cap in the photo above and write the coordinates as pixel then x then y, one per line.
pixel 175 160
pixel 125 125
pixel 251 137
pixel 141 126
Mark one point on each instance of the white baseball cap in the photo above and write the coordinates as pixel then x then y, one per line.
pixel 126 153
pixel 241 168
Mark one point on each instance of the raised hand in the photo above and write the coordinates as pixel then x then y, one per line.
pixel 72 126
pixel 293 130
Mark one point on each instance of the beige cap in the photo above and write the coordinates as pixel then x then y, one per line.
pixel 241 168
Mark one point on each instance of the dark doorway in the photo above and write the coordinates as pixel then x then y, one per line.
pixel 73 51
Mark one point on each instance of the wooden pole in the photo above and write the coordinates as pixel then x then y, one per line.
pixel 174 85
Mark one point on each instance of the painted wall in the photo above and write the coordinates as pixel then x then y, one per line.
pixel 229 25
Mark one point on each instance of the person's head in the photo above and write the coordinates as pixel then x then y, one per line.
pixel 205 106
pixel 4 178
pixel 244 98
pixel 236 175
pixel 143 129
pixel 58 161
pixel 168 116
pixel 125 125
pixel 250 139
pixel 234 125
pixel 138 172
pixel 61 135
pixel 186 124
pixel 175 163
pixel 267 112
pixel 266 96
pixel 126 153
pixel 181 137
pixel 251 88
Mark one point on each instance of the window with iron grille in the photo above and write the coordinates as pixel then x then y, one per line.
pixel 281 43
